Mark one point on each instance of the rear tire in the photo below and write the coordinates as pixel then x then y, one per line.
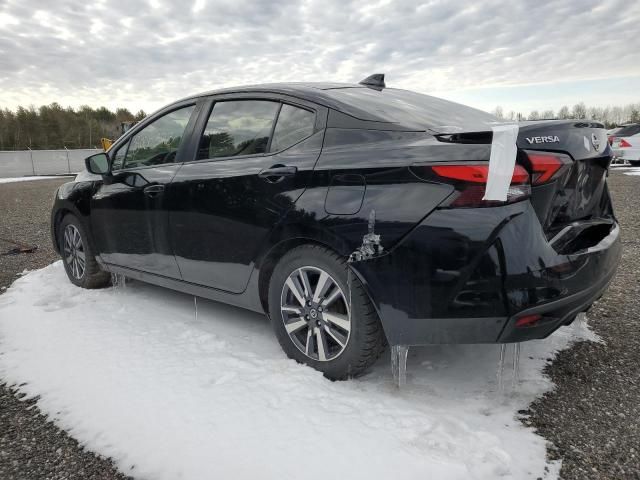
pixel 317 320
pixel 77 255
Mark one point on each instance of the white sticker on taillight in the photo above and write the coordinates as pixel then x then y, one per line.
pixel 501 162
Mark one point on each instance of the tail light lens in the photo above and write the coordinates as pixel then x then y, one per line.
pixel 543 167
pixel 470 182
pixel 546 166
pixel 477 173
pixel 528 320
pixel 623 143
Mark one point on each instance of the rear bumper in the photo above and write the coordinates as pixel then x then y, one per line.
pixel 467 276
pixel 591 273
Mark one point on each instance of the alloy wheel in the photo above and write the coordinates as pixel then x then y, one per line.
pixel 74 254
pixel 315 313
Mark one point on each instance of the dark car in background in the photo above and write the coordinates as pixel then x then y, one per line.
pixel 352 215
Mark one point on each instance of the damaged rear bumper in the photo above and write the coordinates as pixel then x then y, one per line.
pixel 469 275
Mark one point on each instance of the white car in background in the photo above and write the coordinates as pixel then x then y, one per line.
pixel 625 142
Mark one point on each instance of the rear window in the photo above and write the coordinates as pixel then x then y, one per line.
pixel 628 131
pixel 411 109
pixel 238 127
pixel 294 125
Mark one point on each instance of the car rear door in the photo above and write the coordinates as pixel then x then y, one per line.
pixel 129 212
pixel 255 157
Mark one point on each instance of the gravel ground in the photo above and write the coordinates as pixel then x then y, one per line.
pixel 31 447
pixel 591 419
pixel 25 208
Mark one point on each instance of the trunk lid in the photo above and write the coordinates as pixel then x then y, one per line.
pixel 577 193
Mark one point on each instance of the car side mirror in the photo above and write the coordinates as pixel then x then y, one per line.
pixel 97 164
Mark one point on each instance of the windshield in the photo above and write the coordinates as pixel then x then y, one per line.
pixel 628 130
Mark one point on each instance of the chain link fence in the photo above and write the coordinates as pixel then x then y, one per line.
pixel 23 163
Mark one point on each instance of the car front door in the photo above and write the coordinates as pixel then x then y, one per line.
pixel 129 209
pixel 255 158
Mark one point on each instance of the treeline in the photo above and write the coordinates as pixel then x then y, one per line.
pixel 55 127
pixel 610 116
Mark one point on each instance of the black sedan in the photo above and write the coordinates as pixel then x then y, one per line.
pixel 353 215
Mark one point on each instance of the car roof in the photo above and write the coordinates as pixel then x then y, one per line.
pixel 304 88
pixel 385 106
pixel 317 92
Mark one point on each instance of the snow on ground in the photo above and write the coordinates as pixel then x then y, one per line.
pixel 132 374
pixel 29 179
pixel 627 169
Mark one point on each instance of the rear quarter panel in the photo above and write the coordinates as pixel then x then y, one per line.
pixel 379 185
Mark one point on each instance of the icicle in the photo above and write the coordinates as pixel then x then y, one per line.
pixel 399 364
pixel 516 365
pixel 118 281
pixel 195 307
pixel 582 319
pixel 349 286
pixel 503 349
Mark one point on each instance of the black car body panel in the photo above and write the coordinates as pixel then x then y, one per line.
pixel 439 275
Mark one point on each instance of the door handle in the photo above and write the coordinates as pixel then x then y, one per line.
pixel 153 190
pixel 277 173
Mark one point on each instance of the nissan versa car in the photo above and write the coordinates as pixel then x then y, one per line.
pixel 352 215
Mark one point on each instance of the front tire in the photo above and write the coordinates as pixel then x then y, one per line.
pixel 321 320
pixel 78 257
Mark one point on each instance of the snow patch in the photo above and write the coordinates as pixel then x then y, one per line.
pixel 29 179
pixel 133 374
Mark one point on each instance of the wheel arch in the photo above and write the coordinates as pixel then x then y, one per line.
pixel 319 238
pixel 63 210
pixel 58 216
pixel 273 256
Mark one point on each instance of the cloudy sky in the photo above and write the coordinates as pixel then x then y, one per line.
pixel 520 54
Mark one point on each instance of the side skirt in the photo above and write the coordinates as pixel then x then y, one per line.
pixel 249 299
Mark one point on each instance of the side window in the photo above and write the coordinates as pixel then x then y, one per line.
pixel 294 124
pixel 118 157
pixel 239 127
pixel 158 142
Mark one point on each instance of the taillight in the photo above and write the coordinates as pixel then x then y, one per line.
pixel 470 182
pixel 477 173
pixel 623 143
pixel 528 320
pixel 545 165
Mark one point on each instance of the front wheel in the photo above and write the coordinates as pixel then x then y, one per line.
pixel 78 257
pixel 321 315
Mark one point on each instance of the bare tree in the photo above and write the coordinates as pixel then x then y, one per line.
pixel 564 113
pixel 579 111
